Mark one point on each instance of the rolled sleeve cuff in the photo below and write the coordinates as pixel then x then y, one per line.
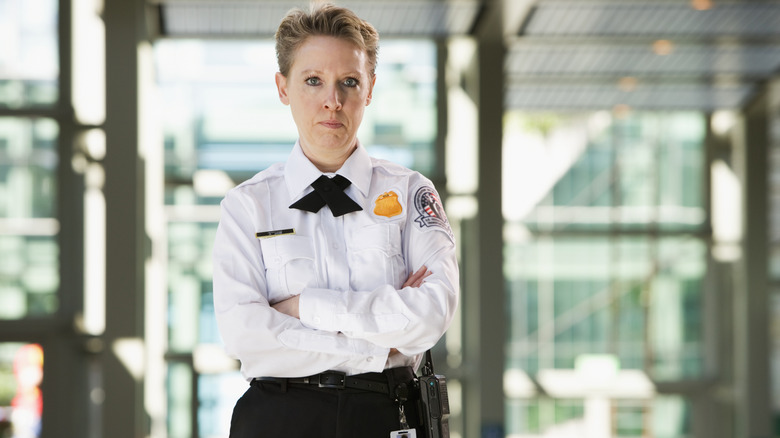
pixel 324 309
pixel 360 356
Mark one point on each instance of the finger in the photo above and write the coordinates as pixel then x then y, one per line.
pixel 419 282
pixel 415 277
pixel 419 275
pixel 420 272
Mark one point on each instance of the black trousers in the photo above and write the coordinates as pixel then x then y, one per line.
pixel 271 410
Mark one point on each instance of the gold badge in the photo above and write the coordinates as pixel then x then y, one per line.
pixel 387 205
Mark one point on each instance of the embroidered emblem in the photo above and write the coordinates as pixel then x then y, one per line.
pixel 387 205
pixel 430 209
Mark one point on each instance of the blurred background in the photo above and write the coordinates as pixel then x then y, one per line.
pixel 611 169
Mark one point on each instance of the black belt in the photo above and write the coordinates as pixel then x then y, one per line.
pixel 339 380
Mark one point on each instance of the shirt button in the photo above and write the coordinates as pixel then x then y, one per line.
pixel 335 246
pixel 370 359
pixel 317 320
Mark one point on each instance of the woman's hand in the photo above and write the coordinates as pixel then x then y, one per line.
pixel 417 279
pixel 289 306
pixel 414 280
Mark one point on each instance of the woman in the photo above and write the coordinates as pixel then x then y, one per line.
pixel 334 271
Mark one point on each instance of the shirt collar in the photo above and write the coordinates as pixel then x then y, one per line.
pixel 299 172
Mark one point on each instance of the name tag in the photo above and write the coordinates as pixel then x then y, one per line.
pixel 409 433
pixel 274 233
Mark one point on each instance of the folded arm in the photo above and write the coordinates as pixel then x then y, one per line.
pixel 253 332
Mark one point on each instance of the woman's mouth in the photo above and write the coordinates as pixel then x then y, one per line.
pixel 332 124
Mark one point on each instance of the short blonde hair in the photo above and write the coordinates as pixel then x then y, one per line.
pixel 323 19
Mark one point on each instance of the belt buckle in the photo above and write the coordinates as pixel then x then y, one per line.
pixel 332 379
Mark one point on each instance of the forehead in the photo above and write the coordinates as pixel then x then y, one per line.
pixel 327 53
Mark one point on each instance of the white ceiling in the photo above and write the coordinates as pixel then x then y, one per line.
pixel 429 18
pixel 602 53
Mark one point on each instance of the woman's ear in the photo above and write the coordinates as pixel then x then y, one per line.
pixel 281 86
pixel 371 90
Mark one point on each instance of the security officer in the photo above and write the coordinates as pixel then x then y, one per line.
pixel 333 271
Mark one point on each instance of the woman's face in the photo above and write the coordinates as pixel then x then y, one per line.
pixel 327 88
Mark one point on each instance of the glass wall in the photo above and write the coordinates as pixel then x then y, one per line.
pixel 29 227
pixel 29 270
pixel 605 259
pixel 28 159
pixel 29 61
pixel 222 123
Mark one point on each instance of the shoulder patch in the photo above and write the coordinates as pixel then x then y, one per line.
pixel 430 211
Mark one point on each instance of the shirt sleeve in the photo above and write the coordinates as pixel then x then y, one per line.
pixel 268 342
pixel 410 319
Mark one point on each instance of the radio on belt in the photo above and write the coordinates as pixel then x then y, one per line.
pixel 435 403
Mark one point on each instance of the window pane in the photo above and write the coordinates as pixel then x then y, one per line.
pixel 21 401
pixel 29 253
pixel 661 416
pixel 29 60
pixel 636 298
pixel 605 259
pixel 180 395
pixel 190 306
pixel 217 395
pixel 590 172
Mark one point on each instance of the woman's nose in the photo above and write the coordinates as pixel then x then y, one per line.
pixel 333 100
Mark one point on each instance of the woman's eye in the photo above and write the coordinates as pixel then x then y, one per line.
pixel 312 81
pixel 351 82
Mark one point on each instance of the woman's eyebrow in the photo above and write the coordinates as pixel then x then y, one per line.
pixel 313 71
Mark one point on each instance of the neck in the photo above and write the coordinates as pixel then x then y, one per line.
pixel 327 167
pixel 328 163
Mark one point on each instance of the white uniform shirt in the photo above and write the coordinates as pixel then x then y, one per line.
pixel 348 270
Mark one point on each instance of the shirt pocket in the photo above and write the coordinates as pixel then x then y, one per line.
pixel 376 258
pixel 289 266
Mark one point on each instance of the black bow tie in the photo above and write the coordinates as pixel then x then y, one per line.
pixel 328 191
